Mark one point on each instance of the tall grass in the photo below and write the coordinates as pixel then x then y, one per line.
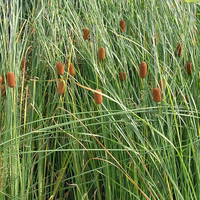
pixel 57 143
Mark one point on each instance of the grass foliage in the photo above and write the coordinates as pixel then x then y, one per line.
pixel 62 145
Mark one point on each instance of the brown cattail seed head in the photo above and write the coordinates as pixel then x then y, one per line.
pixel 188 67
pixel 143 69
pixel 10 78
pixel 161 84
pixel 61 88
pixel 179 49
pixel 71 69
pixel 101 53
pixel 86 33
pixel 60 68
pixel 155 41
pixel 156 95
pixel 3 90
pixel 122 76
pixel 122 25
pixel 98 97
pixel 1 80
pixel 23 64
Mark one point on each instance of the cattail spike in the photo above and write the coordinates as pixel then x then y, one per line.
pixel 143 69
pixel 122 25
pixel 60 68
pixel 61 88
pixel 86 33
pixel 3 90
pixel 71 69
pixel 156 95
pixel 179 49
pixel 98 97
pixel 188 67
pixel 1 80
pixel 122 76
pixel 101 53
pixel 10 78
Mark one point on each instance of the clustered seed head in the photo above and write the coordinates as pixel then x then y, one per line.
pixel 179 49
pixel 61 88
pixel 98 97
pixel 143 69
pixel 101 53
pixel 122 76
pixel 161 84
pixel 10 78
pixel 156 95
pixel 71 69
pixel 60 68
pixel 122 25
pixel 3 90
pixel 189 67
pixel 86 33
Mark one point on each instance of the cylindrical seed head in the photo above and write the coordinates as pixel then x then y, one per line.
pixel 86 33
pixel 188 67
pixel 61 88
pixel 101 53
pixel 71 69
pixel 60 68
pixel 122 25
pixel 143 69
pixel 10 78
pixel 3 90
pixel 122 76
pixel 179 49
pixel 23 64
pixel 156 95
pixel 98 97
pixel 1 80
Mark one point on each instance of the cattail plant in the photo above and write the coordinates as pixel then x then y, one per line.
pixel 3 90
pixel 101 53
pixel 179 49
pixel 122 25
pixel 23 64
pixel 60 68
pixel 10 78
pixel 188 67
pixel 161 85
pixel 71 69
pixel 122 76
pixel 86 33
pixel 155 41
pixel 1 80
pixel 98 97
pixel 156 95
pixel 61 87
pixel 143 69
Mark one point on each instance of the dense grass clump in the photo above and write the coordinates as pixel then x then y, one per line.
pixel 85 118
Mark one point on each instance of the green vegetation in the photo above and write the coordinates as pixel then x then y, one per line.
pixel 56 145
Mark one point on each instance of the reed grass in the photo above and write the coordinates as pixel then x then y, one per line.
pixel 57 143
